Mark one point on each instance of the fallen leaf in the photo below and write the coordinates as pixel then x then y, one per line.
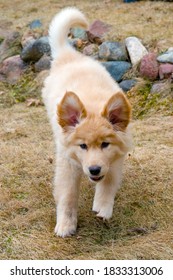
pixel 33 102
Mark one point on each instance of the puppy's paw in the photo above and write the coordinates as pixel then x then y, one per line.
pixel 64 229
pixel 106 214
pixel 103 211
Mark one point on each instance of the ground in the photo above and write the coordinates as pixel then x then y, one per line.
pixel 142 223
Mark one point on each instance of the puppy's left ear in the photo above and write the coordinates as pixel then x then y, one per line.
pixel 118 111
pixel 70 111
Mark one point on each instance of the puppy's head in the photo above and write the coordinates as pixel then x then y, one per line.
pixel 95 140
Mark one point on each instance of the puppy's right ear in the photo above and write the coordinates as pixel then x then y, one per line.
pixel 70 111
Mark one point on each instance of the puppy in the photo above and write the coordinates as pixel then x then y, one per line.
pixel 89 115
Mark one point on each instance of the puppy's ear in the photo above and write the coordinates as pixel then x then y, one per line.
pixel 118 111
pixel 70 111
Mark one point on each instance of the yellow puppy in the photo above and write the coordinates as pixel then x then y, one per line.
pixel 89 115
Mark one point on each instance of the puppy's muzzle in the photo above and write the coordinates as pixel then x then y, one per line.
pixel 95 171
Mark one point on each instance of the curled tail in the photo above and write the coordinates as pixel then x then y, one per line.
pixel 60 26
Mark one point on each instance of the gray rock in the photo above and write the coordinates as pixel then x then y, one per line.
pixel 170 49
pixel 35 24
pixel 135 49
pixel 43 63
pixel 166 57
pixel 79 33
pixel 113 51
pixel 10 46
pixel 35 50
pixel 126 85
pixel 117 68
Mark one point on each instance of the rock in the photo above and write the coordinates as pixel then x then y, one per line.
pixel 43 63
pixel 97 30
pixel 135 49
pixel 79 33
pixel 113 51
pixel 35 24
pixel 28 38
pixel 12 69
pixel 35 50
pixel 170 49
pixel 149 67
pixel 10 46
pixel 75 43
pixel 166 57
pixel 117 68
pixel 126 85
pixel 90 50
pixel 159 87
pixel 165 71
pixel 26 41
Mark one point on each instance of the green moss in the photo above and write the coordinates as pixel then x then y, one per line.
pixel 25 88
pixel 21 195
pixel 145 103
pixel 1 39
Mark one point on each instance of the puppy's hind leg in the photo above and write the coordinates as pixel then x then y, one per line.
pixel 106 190
pixel 66 192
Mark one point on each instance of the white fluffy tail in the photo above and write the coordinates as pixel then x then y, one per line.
pixel 60 26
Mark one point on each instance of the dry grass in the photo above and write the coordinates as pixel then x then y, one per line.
pixel 147 20
pixel 142 224
pixel 141 227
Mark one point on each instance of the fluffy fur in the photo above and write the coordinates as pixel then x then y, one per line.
pixel 89 115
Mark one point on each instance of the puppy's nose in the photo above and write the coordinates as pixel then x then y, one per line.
pixel 94 169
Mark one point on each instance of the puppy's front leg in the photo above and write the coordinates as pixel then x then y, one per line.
pixel 66 192
pixel 106 190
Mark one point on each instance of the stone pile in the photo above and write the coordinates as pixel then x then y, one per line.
pixel 18 53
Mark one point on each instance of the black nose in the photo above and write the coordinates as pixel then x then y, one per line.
pixel 94 169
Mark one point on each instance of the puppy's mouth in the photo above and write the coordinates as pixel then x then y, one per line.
pixel 96 178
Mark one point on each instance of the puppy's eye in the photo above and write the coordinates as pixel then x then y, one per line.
pixel 83 146
pixel 104 145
